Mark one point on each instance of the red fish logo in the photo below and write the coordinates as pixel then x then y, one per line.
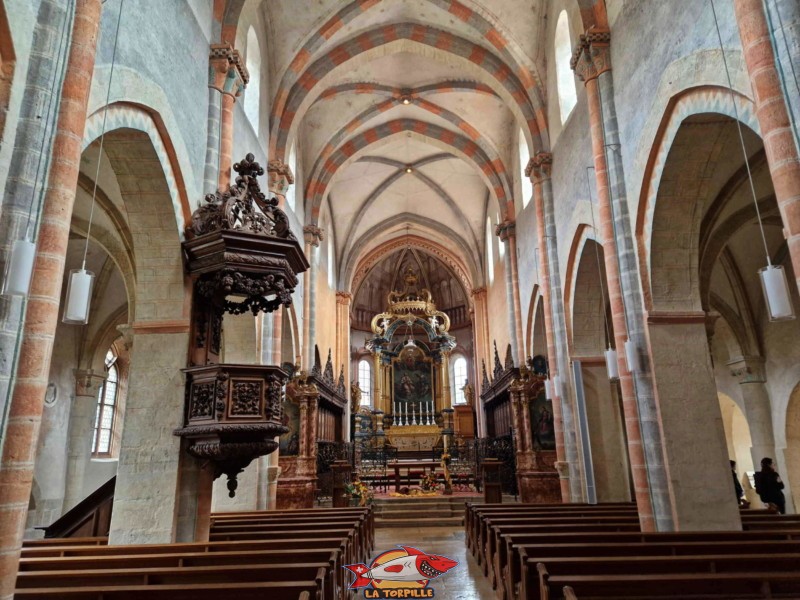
pixel 403 568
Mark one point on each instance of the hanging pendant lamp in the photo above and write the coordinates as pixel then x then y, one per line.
pixel 19 266
pixel 81 281
pixel 632 356
pixel 774 283
pixel 612 367
pixel 548 389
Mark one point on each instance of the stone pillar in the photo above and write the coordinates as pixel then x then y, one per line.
pixel 772 112
pixel 298 480
pixel 81 425
pixel 749 370
pixel 480 352
pixel 41 318
pixel 155 474
pixel 555 326
pixel 343 300
pixel 645 450
pixel 507 233
pixel 689 412
pixel 447 397
pixel 22 178
pixel 229 77
pixel 211 169
pixel 313 237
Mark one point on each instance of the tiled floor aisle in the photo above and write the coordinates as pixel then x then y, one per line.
pixel 464 582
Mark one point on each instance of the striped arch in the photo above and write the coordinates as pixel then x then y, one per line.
pixel 692 101
pixel 302 77
pixel 376 255
pixel 123 115
pixel 593 14
pixel 492 170
pixel 386 105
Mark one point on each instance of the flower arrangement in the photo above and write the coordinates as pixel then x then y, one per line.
pixel 429 483
pixel 360 490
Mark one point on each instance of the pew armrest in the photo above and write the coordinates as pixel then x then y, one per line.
pixel 569 593
pixel 544 578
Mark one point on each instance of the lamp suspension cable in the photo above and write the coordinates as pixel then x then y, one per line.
pixel 19 267
pixel 773 278
pixel 81 281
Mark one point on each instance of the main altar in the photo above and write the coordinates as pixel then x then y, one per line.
pixel 411 353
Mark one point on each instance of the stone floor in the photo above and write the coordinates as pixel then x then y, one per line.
pixel 464 582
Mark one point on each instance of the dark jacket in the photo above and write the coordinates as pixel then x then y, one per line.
pixel 769 486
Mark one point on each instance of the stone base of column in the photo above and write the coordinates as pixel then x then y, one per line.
pixel 297 484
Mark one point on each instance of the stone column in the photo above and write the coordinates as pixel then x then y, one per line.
pixel 229 77
pixel 749 370
pixel 156 478
pixel 507 233
pixel 645 449
pixel 447 398
pixel 555 327
pixel 688 407
pixel 343 300
pixel 41 318
pixel 22 176
pixel 480 352
pixel 81 425
pixel 313 237
pixel 772 112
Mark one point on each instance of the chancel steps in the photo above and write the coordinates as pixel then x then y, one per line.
pixel 440 511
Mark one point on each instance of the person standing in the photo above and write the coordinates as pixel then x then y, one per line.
pixel 770 487
pixel 736 485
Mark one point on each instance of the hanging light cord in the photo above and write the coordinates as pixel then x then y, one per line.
pixel 57 67
pixel 741 136
pixel 102 134
pixel 597 258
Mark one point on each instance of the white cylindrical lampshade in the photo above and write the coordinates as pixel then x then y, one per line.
pixel 557 386
pixel 19 268
pixel 611 364
pixel 79 296
pixel 776 293
pixel 548 389
pixel 632 356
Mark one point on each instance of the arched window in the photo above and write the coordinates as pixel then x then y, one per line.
pixel 107 396
pixel 460 378
pixel 524 159
pixel 489 253
pixel 252 94
pixel 290 193
pixel 365 382
pixel 567 95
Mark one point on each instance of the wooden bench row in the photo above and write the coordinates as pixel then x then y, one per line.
pixel 536 552
pixel 292 555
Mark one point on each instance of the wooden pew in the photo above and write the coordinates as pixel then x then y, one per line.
pixel 656 565
pixel 521 548
pixel 679 585
pixel 334 584
pixel 278 590
pixel 533 555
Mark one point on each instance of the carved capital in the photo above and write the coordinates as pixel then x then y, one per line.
pixel 748 369
pixel 506 230
pixel 592 55
pixel 279 177
pixel 563 469
pixel 539 167
pixel 272 474
pixel 343 298
pixel 127 335
pixel 87 382
pixel 226 70
pixel 313 235
pixel 479 293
